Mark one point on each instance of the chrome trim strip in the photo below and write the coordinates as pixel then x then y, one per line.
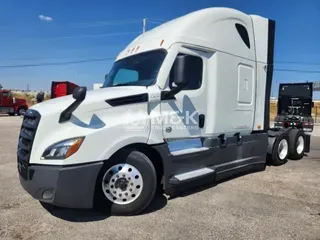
pixel 193 174
pixel 189 151
pixel 177 145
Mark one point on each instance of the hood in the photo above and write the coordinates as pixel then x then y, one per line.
pixel 95 100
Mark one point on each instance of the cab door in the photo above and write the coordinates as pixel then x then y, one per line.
pixel 184 114
pixel 7 100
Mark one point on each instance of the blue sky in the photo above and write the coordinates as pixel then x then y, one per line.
pixel 76 33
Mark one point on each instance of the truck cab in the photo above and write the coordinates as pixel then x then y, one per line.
pixel 295 106
pixel 185 103
pixel 11 105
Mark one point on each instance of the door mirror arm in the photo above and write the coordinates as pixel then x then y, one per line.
pixel 174 91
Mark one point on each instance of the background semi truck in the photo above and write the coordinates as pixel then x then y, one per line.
pixel 58 89
pixel 295 109
pixel 62 88
pixel 184 104
pixel 10 104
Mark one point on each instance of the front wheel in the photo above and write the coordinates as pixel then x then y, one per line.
pixel 127 183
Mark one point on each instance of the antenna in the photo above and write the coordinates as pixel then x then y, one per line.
pixel 144 25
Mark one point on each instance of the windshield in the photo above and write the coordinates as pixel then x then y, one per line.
pixel 5 94
pixel 138 70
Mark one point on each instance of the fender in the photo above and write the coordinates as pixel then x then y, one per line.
pixel 122 144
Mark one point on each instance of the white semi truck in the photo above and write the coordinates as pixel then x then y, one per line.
pixel 184 104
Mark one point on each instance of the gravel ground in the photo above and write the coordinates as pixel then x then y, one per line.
pixel 279 203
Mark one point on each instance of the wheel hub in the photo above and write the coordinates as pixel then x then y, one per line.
pixel 300 144
pixel 122 183
pixel 283 149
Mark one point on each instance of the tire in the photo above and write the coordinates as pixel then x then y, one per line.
pixel 21 111
pixel 297 141
pixel 11 114
pixel 280 150
pixel 126 184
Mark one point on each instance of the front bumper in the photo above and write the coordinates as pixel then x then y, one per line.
pixel 66 186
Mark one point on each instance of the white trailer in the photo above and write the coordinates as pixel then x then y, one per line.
pixel 184 104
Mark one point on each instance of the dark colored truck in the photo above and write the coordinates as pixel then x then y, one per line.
pixel 11 105
pixel 295 108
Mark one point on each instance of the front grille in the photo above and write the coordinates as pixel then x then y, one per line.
pixel 27 134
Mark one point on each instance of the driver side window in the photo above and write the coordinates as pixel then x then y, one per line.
pixel 6 94
pixel 196 74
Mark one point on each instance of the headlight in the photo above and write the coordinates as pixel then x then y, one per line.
pixel 63 149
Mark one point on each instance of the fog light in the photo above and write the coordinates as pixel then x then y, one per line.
pixel 47 194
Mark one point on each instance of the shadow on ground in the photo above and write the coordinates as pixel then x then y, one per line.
pixel 92 215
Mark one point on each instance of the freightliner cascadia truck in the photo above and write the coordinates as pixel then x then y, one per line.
pixel 184 104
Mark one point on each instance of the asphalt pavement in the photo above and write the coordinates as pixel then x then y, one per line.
pixel 280 203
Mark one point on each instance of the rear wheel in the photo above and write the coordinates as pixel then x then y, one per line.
pixel 280 150
pixel 296 144
pixel 11 114
pixel 127 183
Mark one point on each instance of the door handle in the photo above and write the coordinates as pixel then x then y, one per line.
pixel 223 141
pixel 201 120
pixel 239 138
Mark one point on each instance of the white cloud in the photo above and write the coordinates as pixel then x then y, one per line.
pixel 45 18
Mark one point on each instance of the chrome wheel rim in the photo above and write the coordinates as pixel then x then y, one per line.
pixel 283 149
pixel 300 145
pixel 122 184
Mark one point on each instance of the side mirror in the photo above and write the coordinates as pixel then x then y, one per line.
pixel 182 73
pixel 79 93
pixel 40 97
pixel 181 70
pixel 312 104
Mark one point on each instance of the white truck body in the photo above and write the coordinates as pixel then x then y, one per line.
pixel 228 107
pixel 227 61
